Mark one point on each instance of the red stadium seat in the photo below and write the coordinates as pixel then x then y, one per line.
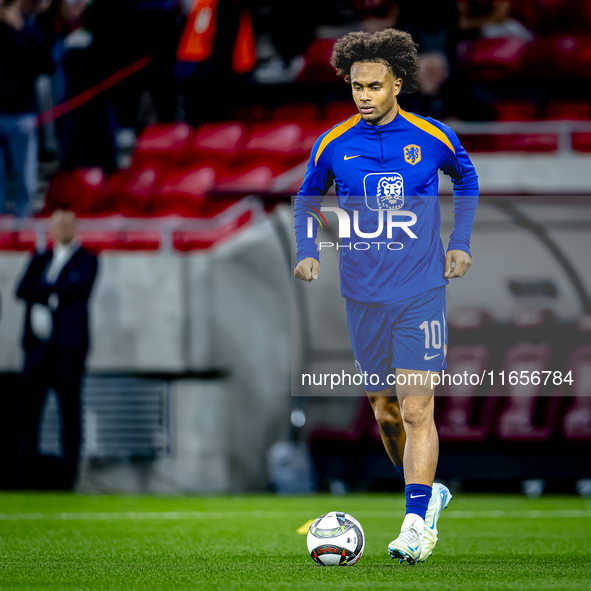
pixel 310 134
pixel 582 141
pixel 532 142
pixel 8 241
pixel 186 241
pixel 572 110
pixel 568 54
pixel 98 241
pixel 550 15
pixel 131 192
pixel 317 66
pixel 250 115
pixel 484 142
pixel 461 413
pixel 584 323
pixel 183 192
pixel 80 189
pixel 272 142
pixel 495 59
pixel 576 422
pixel 462 419
pixel 468 319
pixel 582 65
pixel 550 54
pixel 361 418
pixel 291 181
pixel 256 180
pixel 584 16
pixel 528 318
pixel 18 241
pixel 511 142
pixel 516 422
pixel 161 142
pixel 515 110
pixel 296 112
pixel 528 12
pixel 458 418
pixel 339 111
pixel 116 240
pixel 217 142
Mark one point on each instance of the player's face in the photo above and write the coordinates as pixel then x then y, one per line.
pixel 374 92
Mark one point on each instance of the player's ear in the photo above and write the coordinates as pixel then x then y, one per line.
pixel 397 86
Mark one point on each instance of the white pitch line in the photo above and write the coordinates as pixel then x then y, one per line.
pixel 158 515
pixel 549 514
pixel 216 515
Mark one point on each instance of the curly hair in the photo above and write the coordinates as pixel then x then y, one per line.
pixel 392 47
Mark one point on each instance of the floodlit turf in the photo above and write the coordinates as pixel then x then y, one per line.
pixel 59 541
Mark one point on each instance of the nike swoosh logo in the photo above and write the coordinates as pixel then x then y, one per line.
pixel 349 157
pixel 431 356
pixel 433 526
pixel 416 496
pixel 413 549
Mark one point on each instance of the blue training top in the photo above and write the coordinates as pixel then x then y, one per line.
pixel 386 181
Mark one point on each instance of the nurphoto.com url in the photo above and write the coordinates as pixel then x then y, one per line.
pixel 433 379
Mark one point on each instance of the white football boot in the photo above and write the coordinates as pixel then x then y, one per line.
pixel 408 545
pixel 439 501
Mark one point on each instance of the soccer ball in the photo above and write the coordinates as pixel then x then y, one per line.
pixel 336 539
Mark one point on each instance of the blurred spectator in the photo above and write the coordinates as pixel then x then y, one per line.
pixel 115 34
pixel 490 18
pixel 86 133
pixel 125 31
pixel 23 56
pixel 432 28
pixel 336 18
pixel 433 32
pixel 56 288
pixel 433 73
pixel 216 51
pixel 376 15
pixel 62 18
pixel 280 49
pixel 444 92
pixel 444 97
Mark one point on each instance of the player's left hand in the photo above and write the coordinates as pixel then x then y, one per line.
pixel 462 260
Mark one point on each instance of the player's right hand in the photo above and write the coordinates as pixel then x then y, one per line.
pixel 307 269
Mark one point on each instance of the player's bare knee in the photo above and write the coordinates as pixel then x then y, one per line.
pixel 417 411
pixel 416 418
pixel 387 415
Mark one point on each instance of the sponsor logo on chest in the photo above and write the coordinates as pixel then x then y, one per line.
pixel 384 190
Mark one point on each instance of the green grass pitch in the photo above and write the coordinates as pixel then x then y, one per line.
pixel 66 541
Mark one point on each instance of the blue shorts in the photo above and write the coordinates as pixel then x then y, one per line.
pixel 411 334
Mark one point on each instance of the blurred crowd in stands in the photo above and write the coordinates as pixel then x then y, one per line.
pixel 101 70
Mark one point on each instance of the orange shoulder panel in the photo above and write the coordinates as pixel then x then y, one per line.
pixel 428 127
pixel 335 133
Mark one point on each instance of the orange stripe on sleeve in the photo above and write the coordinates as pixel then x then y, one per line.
pixel 335 133
pixel 426 126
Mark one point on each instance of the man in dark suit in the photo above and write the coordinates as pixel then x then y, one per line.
pixel 56 289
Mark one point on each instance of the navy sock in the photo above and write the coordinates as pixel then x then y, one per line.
pixel 400 471
pixel 417 499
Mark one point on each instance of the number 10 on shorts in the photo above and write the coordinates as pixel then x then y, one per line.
pixel 434 334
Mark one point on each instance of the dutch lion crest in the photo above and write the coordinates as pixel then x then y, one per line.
pixel 412 154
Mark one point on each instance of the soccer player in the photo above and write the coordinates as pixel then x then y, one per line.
pixel 393 267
